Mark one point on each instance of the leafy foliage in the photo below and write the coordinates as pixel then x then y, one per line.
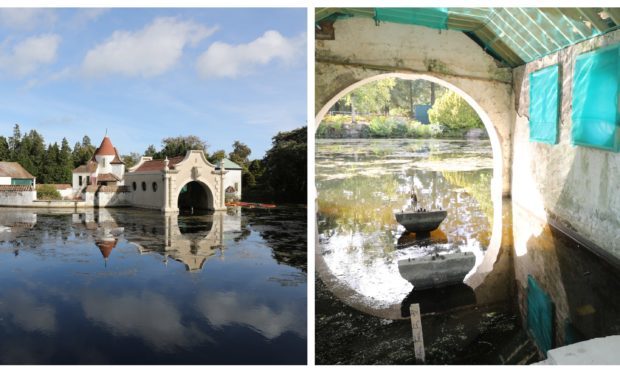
pixel 47 192
pixel 454 112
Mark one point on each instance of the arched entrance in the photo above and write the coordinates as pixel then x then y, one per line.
pixel 484 265
pixel 195 196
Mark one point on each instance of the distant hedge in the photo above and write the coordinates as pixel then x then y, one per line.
pixel 48 192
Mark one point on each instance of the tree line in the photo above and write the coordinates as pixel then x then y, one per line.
pixel 280 176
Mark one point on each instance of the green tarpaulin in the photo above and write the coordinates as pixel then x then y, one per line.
pixel 544 105
pixel 595 99
pixel 429 17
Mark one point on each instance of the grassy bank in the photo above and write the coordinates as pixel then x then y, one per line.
pixel 341 126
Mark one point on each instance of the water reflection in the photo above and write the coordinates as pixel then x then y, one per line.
pixel 360 183
pixel 133 286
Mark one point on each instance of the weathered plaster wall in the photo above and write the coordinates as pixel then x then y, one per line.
pixel 233 178
pixel 17 198
pixel 577 186
pixel 362 50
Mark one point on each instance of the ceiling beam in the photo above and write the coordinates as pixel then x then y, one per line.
pixel 592 16
pixel 614 14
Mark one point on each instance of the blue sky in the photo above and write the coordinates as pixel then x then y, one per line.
pixel 147 74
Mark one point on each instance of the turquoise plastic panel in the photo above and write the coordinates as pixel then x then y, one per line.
pixel 429 17
pixel 544 105
pixel 540 312
pixel 595 99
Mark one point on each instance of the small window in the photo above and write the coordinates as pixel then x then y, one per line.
pixel 154 186
pixel 143 186
pixel 80 180
pixel 236 186
pixel 104 162
pixel 133 185
pixel 88 180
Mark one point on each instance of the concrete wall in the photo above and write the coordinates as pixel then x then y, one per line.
pixel 149 198
pixel 573 185
pixel 17 198
pixel 107 199
pixel 363 51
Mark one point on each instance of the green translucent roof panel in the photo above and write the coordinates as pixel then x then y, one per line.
pixel 544 105
pixel 428 17
pixel 596 87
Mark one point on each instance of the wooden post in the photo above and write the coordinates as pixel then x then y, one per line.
pixel 416 329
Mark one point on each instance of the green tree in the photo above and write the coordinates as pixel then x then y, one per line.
pixel 217 156
pixel 131 159
pixel 370 98
pixel 83 152
pixel 454 112
pixel 240 153
pixel 179 146
pixel 65 162
pixel 15 141
pixel 150 151
pixel 285 172
pixel 5 153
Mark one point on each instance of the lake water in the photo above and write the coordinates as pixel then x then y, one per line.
pixel 122 286
pixel 362 182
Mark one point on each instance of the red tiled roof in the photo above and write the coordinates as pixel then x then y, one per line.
pixel 112 188
pixel 117 158
pixel 13 170
pixel 58 186
pixel 106 147
pixel 89 167
pixel 107 177
pixel 16 188
pixel 106 246
pixel 158 165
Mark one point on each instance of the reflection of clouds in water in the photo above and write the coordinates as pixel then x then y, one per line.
pixel 147 315
pixel 366 268
pixel 26 312
pixel 226 308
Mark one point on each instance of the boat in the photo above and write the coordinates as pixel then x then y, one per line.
pixel 421 221
pixel 436 270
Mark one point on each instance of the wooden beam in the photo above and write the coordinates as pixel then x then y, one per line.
pixel 614 14
pixel 593 17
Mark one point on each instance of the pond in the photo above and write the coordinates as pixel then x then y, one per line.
pixel 125 286
pixel 362 182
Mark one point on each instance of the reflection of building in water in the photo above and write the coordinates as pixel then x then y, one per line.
pixel 12 225
pixel 190 240
pixel 104 226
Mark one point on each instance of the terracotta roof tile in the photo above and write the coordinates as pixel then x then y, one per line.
pixel 158 165
pixel 58 186
pixel 16 188
pixel 117 158
pixel 106 147
pixel 107 177
pixel 13 170
pixel 89 167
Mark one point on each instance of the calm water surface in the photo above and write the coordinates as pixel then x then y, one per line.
pixel 362 182
pixel 133 286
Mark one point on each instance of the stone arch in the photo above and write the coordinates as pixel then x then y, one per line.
pixel 479 94
pixel 195 193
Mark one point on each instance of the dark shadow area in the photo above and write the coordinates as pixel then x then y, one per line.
pixel 436 300
pixel 195 197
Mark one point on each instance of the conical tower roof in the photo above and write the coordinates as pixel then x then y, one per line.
pixel 106 147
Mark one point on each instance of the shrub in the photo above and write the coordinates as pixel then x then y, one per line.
pixel 381 127
pixel 454 112
pixel 47 192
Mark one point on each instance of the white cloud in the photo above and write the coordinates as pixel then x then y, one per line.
pixel 28 313
pixel 87 15
pixel 147 52
pixel 29 54
pixel 228 308
pixel 223 60
pixel 26 18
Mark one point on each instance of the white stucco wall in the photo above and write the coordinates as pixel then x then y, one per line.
pixel 575 185
pixel 149 198
pixel 5 180
pixel 233 178
pixel 76 181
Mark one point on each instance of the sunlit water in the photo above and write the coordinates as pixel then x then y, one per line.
pixel 133 286
pixel 362 182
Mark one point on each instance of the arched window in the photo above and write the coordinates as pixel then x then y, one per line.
pixel 154 186
pixel 133 185
pixel 143 186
